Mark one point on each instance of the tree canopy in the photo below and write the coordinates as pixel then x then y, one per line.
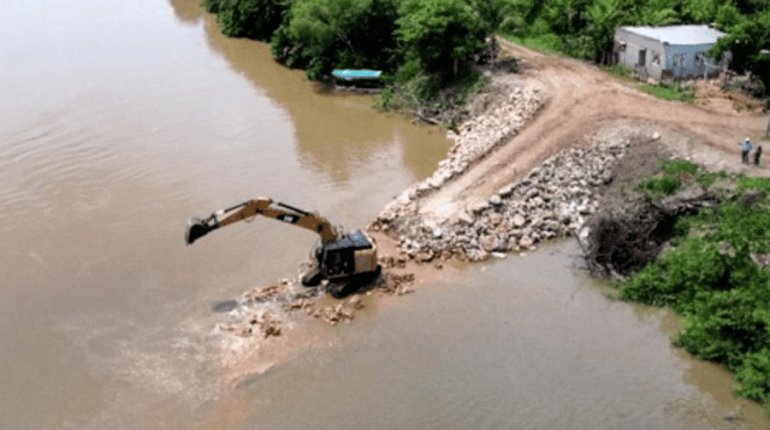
pixel 442 37
pixel 442 34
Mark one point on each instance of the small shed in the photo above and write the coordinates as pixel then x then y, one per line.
pixel 673 52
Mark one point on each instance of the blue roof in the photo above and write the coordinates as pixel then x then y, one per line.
pixel 680 34
pixel 353 74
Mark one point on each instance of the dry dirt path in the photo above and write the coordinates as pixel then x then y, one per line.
pixel 580 99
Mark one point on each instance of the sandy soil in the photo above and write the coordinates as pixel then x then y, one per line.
pixel 580 100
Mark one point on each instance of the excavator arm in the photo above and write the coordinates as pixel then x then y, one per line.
pixel 266 207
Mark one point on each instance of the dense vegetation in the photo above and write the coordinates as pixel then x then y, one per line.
pixel 585 28
pixel 424 45
pixel 712 276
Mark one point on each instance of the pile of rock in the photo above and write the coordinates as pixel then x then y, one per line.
pixel 553 200
pixel 340 312
pixel 264 311
pixel 264 323
pixel 476 138
pixel 395 284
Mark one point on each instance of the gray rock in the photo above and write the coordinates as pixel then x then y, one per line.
pixel 495 219
pixel 518 220
pixel 491 243
pixel 526 242
pixel 506 191
pixel 479 207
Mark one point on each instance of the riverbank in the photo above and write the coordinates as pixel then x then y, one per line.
pixel 529 166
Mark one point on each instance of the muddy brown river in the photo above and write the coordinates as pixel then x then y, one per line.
pixel 119 120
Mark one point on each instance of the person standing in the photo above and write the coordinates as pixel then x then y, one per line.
pixel 757 154
pixel 745 150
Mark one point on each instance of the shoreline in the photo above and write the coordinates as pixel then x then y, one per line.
pixel 552 197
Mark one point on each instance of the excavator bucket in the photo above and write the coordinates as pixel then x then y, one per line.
pixel 196 228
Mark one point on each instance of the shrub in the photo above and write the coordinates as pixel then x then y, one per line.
pixel 255 19
pixel 677 166
pixel 663 185
pixel 754 376
pixel 708 275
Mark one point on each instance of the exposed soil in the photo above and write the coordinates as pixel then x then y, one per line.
pixel 580 99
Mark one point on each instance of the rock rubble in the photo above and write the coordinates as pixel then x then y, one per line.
pixel 552 200
pixel 264 311
pixel 476 138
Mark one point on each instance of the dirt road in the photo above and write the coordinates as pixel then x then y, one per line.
pixel 580 99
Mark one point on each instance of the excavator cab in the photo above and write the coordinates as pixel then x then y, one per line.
pixel 354 253
pixel 347 263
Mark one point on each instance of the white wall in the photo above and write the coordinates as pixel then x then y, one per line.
pixel 663 60
pixel 689 61
pixel 629 56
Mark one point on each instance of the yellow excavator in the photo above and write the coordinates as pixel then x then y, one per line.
pixel 348 261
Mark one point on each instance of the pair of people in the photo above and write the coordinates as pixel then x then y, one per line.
pixel 746 148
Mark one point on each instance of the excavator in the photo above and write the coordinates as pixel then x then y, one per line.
pixel 348 261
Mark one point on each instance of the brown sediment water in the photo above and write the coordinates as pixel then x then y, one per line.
pixel 118 121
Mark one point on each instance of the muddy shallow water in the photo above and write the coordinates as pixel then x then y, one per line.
pixel 119 121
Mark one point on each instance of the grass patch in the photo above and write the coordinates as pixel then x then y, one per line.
pixel 618 70
pixel 665 91
pixel 668 92
pixel 661 186
pixel 674 173
pixel 753 183
pixel 545 43
pixel 677 166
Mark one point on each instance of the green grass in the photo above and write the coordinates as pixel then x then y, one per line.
pixel 661 186
pixel 618 71
pixel 671 92
pixel 673 172
pixel 666 92
pixel 546 43
pixel 677 166
pixel 753 183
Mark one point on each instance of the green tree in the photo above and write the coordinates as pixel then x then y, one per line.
pixel 603 17
pixel 699 11
pixel 255 19
pixel 656 13
pixel 746 38
pixel 492 12
pixel 323 34
pixel 443 35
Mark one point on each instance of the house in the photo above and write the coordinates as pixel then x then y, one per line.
pixel 673 52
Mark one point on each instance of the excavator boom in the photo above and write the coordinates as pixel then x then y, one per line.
pixel 263 206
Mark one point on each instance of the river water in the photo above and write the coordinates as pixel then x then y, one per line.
pixel 120 120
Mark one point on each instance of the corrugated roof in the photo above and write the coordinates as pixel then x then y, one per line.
pixel 680 34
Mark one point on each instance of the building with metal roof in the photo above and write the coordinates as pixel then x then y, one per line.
pixel 672 52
